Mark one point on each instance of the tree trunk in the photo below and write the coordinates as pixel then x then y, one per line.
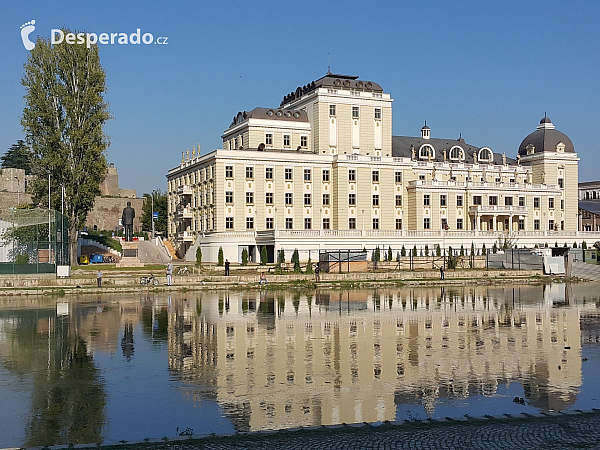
pixel 73 247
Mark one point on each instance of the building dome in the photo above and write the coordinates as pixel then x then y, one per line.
pixel 546 139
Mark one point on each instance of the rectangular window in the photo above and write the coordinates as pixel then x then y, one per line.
pixel 536 202
pixel 269 223
pixel 536 224
pixel 352 223
pixel 269 173
pixel 288 174
pixel 307 174
pixel 398 200
pixel 250 198
pixel 477 199
pixel 228 171
pixel 332 110
pixel 551 225
pixel 375 223
pixel 492 200
pixel 551 202
pixel 352 199
pixel 398 224
pixel 304 141
pixel 375 176
pixel 286 140
pixel 375 200
pixel 288 198
pixel 351 175
pixel 521 224
pixel 422 177
pixel 426 200
pixel 521 201
pixel 326 175
pixel 325 199
pixel 307 200
pixel 269 198
pixel 459 224
pixel 326 223
pixel 445 224
pixel 443 200
pixel 249 172
pixel 562 204
pixel 508 201
pixel 560 183
pixel 355 111
pixel 249 223
pixel 289 223
pixel 377 113
pixel 398 177
pixel 459 199
pixel 269 139
pixel 228 197
pixel 426 223
pixel 229 223
pixel 307 223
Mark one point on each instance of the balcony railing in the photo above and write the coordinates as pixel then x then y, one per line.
pixel 186 213
pixel 185 190
pixel 497 209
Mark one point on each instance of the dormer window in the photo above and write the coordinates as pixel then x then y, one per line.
pixel 560 147
pixel 426 152
pixel 485 155
pixel 530 149
pixel 457 154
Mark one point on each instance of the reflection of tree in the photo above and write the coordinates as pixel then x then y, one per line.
pixel 155 326
pixel 68 397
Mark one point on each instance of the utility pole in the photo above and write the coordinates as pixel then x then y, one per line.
pixel 18 190
pixel 153 213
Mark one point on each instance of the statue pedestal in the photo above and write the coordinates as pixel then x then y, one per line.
pixel 130 255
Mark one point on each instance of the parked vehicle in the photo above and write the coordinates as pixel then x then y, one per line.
pixel 183 271
pixel 150 279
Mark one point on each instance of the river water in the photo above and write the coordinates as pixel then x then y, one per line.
pixel 107 368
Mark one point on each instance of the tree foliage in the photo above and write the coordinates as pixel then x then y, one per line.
pixel 18 156
pixel 245 257
pixel 296 261
pixel 63 120
pixel 220 257
pixel 160 206
pixel 198 257
pixel 264 256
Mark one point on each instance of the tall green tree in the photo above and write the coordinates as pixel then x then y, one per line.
pixel 63 120
pixel 18 156
pixel 160 206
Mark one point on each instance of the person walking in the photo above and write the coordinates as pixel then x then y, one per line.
pixel 169 273
pixel 442 277
pixel 226 267
pixel 317 277
pixel 99 278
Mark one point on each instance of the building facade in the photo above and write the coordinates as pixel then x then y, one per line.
pixel 323 171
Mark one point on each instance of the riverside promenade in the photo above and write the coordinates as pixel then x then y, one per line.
pixel 573 430
pixel 129 280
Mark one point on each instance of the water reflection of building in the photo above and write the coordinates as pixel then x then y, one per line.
pixel 277 360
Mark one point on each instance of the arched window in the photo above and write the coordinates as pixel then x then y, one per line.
pixel 485 154
pixel 457 153
pixel 426 152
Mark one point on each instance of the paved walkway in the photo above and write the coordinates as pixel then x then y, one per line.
pixel 556 431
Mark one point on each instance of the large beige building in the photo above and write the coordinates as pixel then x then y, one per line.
pixel 323 171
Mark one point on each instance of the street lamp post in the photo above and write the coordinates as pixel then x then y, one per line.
pixel 153 190
pixel 49 207
pixel 18 190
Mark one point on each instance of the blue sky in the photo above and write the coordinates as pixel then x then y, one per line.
pixel 488 70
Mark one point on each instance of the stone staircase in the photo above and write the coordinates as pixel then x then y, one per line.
pixel 586 271
pixel 171 249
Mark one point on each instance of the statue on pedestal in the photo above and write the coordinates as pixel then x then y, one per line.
pixel 127 219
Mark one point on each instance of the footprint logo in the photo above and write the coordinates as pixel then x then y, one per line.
pixel 26 30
